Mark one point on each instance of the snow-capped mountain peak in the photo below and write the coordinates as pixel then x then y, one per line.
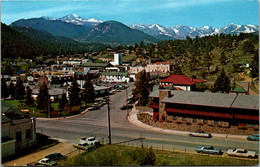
pixel 94 20
pixel 76 19
pixel 181 32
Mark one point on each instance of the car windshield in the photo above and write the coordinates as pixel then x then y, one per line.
pixel 256 135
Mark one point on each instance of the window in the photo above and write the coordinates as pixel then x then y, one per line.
pixel 184 118
pixel 28 133
pixel 18 136
pixel 216 122
pixel 205 121
pixel 174 117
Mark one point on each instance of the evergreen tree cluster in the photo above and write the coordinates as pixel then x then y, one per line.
pixel 25 42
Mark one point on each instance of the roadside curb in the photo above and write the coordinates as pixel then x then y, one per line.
pixel 73 116
pixel 133 119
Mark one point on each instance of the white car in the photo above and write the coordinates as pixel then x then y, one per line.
pixel 90 141
pixel 81 145
pixel 47 162
pixel 241 153
pixel 200 134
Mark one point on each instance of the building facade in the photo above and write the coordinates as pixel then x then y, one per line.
pixel 205 108
pixel 18 131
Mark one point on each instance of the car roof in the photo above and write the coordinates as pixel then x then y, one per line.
pixel 207 146
pixel 45 159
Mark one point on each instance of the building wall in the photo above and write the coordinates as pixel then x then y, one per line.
pixel 115 79
pixel 118 59
pixel 25 142
pixel 136 70
pixel 8 149
pixel 163 68
pixel 5 129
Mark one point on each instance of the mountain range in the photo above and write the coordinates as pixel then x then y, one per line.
pixel 180 32
pixel 114 33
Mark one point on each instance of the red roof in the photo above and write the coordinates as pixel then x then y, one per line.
pixel 181 80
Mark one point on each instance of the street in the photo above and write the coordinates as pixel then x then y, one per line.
pixel 95 123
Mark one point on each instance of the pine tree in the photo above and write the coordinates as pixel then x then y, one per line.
pixel 11 89
pixel 222 58
pixel 142 88
pixel 207 60
pixel 63 101
pixel 74 94
pixel 19 90
pixel 255 66
pixel 88 94
pixel 28 98
pixel 43 97
pixel 222 84
pixel 4 89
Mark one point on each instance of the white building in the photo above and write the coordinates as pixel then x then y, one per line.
pixel 118 59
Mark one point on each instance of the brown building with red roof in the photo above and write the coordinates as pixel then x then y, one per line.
pixel 180 82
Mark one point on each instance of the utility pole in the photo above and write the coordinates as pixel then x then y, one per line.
pixel 109 128
pixel 127 102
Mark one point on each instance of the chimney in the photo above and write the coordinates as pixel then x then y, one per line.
pixel 162 113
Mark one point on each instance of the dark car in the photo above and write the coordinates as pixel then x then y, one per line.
pixel 56 156
pixel 124 107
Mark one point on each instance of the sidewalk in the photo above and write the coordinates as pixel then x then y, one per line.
pixel 133 119
pixel 64 148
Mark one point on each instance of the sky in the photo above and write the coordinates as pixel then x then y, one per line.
pixel 195 13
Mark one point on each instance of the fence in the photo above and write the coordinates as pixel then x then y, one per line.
pixel 138 142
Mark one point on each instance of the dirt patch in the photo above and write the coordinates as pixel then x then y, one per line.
pixel 148 119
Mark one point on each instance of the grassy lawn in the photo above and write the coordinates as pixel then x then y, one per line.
pixel 34 111
pixel 119 155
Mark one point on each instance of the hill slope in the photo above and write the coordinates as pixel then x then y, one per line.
pixel 55 27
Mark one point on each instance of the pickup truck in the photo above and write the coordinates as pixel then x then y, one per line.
pixel 200 134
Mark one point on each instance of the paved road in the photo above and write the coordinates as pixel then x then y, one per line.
pixel 95 123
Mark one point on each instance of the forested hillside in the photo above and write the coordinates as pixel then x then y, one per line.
pixel 203 57
pixel 29 43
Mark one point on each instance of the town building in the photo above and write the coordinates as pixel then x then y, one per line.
pixel 115 77
pixel 180 82
pixel 18 131
pixel 214 109
pixel 158 67
pixel 118 59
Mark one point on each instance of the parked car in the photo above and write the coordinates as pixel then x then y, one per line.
pixel 81 145
pixel 200 134
pixel 90 141
pixel 47 162
pixel 208 150
pixel 254 137
pixel 124 107
pixel 56 156
pixel 241 153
